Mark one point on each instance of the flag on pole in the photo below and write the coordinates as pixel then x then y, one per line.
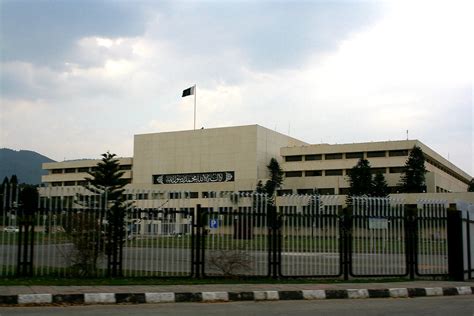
pixel 188 91
pixel 191 91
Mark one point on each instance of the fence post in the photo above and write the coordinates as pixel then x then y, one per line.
pixel 275 241
pixel 411 237
pixel 346 238
pixel 196 243
pixel 468 239
pixel 27 205
pixel 455 245
pixel 25 244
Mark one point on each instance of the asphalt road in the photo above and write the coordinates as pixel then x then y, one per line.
pixel 451 305
pixel 173 260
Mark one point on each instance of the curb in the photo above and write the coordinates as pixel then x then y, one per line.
pixel 212 297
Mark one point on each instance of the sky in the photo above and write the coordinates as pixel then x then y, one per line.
pixel 79 78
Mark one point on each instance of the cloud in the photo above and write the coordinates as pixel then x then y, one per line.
pixel 267 35
pixel 344 72
pixel 44 32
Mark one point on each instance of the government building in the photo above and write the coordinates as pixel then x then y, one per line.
pixel 209 162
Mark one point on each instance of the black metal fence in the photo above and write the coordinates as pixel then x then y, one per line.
pixel 168 234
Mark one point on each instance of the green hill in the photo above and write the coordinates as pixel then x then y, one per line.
pixel 25 164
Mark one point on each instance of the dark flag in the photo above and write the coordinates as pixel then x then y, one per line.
pixel 188 91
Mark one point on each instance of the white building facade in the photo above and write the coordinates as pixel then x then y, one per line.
pixel 209 162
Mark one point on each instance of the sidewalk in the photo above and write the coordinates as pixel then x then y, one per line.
pixel 13 295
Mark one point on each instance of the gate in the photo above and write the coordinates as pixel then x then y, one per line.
pixel 235 235
pixel 309 241
pixel 378 239
pixel 431 229
pixel 176 234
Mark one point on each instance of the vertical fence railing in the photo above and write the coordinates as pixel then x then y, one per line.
pixel 432 238
pixel 159 232
pixel 378 237
pixel 9 232
pixel 467 222
pixel 235 234
pixel 70 234
pixel 310 245
pixel 238 234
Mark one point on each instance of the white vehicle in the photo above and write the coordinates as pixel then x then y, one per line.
pixel 11 229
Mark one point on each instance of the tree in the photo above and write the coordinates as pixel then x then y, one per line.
pixel 260 188
pixel 85 233
pixel 470 188
pixel 13 180
pixel 28 198
pixel 360 179
pixel 276 178
pixel 12 192
pixel 9 193
pixel 380 187
pixel 259 197
pixel 105 181
pixel 413 177
pixel 4 194
pixel 230 262
pixel 107 178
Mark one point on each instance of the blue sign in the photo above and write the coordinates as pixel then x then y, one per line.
pixel 213 223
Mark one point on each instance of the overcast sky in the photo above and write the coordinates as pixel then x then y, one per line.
pixel 79 78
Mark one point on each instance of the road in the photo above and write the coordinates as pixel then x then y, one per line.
pixel 174 260
pixel 451 305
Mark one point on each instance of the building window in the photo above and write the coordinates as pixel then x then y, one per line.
pixel 57 184
pixel 142 196
pixel 344 191
pixel 305 191
pixel 313 157
pixel 82 183
pixel 333 172
pixel 174 195
pixel 313 173
pixel 441 190
pixel 158 195
pixel 284 192
pixel 69 183
pixel 83 169
pixel 332 156
pixel 192 195
pixel 245 192
pixel 209 195
pixel 375 154
pixel 354 155
pixel 326 191
pixel 56 171
pixel 225 194
pixel 293 174
pixel 398 153
pixel 70 170
pixel 125 167
pixel 294 158
pixel 397 169
pixel 378 170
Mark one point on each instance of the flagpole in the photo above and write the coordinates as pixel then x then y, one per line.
pixel 195 92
